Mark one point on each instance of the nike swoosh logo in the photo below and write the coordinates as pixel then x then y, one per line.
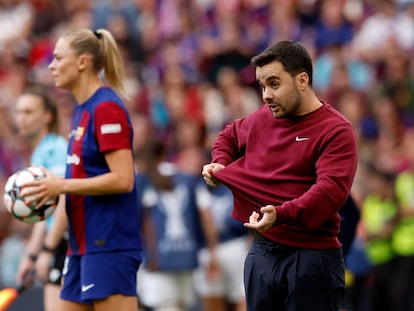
pixel 301 138
pixel 87 287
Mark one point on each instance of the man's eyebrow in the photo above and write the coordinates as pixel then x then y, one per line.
pixel 270 78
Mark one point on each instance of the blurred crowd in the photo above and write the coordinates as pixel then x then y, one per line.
pixel 188 75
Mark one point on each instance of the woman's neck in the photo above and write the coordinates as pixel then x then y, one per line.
pixel 85 89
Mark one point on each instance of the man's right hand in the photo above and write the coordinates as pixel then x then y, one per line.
pixel 209 170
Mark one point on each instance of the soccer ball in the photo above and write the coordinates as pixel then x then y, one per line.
pixel 16 204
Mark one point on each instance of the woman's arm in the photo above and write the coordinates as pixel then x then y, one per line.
pixel 120 178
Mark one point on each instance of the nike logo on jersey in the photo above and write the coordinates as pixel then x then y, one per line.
pixel 301 138
pixel 85 288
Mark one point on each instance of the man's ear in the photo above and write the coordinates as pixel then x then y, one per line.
pixel 302 80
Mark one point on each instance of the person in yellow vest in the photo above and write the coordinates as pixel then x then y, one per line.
pixel 379 213
pixel 403 238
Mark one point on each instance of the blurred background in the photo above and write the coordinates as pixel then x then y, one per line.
pixel 188 75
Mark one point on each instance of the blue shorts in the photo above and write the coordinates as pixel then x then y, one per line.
pixel 97 276
pixel 279 277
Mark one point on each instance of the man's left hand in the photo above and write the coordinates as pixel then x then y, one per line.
pixel 266 221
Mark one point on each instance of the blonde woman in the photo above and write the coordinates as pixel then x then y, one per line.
pixel 104 248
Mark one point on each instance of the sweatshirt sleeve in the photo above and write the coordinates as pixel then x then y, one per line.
pixel 230 143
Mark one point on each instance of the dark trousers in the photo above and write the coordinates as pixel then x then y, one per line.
pixel 280 278
pixel 402 283
pixel 380 294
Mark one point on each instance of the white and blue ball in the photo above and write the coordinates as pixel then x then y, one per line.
pixel 16 204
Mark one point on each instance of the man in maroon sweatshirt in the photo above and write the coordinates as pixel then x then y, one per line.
pixel 290 166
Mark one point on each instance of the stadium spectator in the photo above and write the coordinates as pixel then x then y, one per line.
pixel 397 82
pixel 387 151
pixel 403 237
pixel 379 216
pixel 16 17
pixel 228 99
pixel 332 26
pixel 338 70
pixel 386 25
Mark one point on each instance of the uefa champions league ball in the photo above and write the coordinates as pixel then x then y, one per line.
pixel 16 204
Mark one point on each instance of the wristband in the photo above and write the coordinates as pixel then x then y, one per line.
pixel 32 257
pixel 47 249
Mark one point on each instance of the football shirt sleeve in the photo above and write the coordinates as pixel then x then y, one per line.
pixel 112 129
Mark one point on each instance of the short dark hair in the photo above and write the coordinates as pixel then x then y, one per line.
pixel 292 55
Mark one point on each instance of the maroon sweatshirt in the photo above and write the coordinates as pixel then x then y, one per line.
pixel 304 166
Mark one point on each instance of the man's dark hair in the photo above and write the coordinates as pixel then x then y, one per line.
pixel 292 55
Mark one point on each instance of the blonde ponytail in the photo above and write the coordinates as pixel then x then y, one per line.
pixel 101 45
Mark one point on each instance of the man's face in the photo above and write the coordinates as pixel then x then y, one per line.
pixel 279 90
